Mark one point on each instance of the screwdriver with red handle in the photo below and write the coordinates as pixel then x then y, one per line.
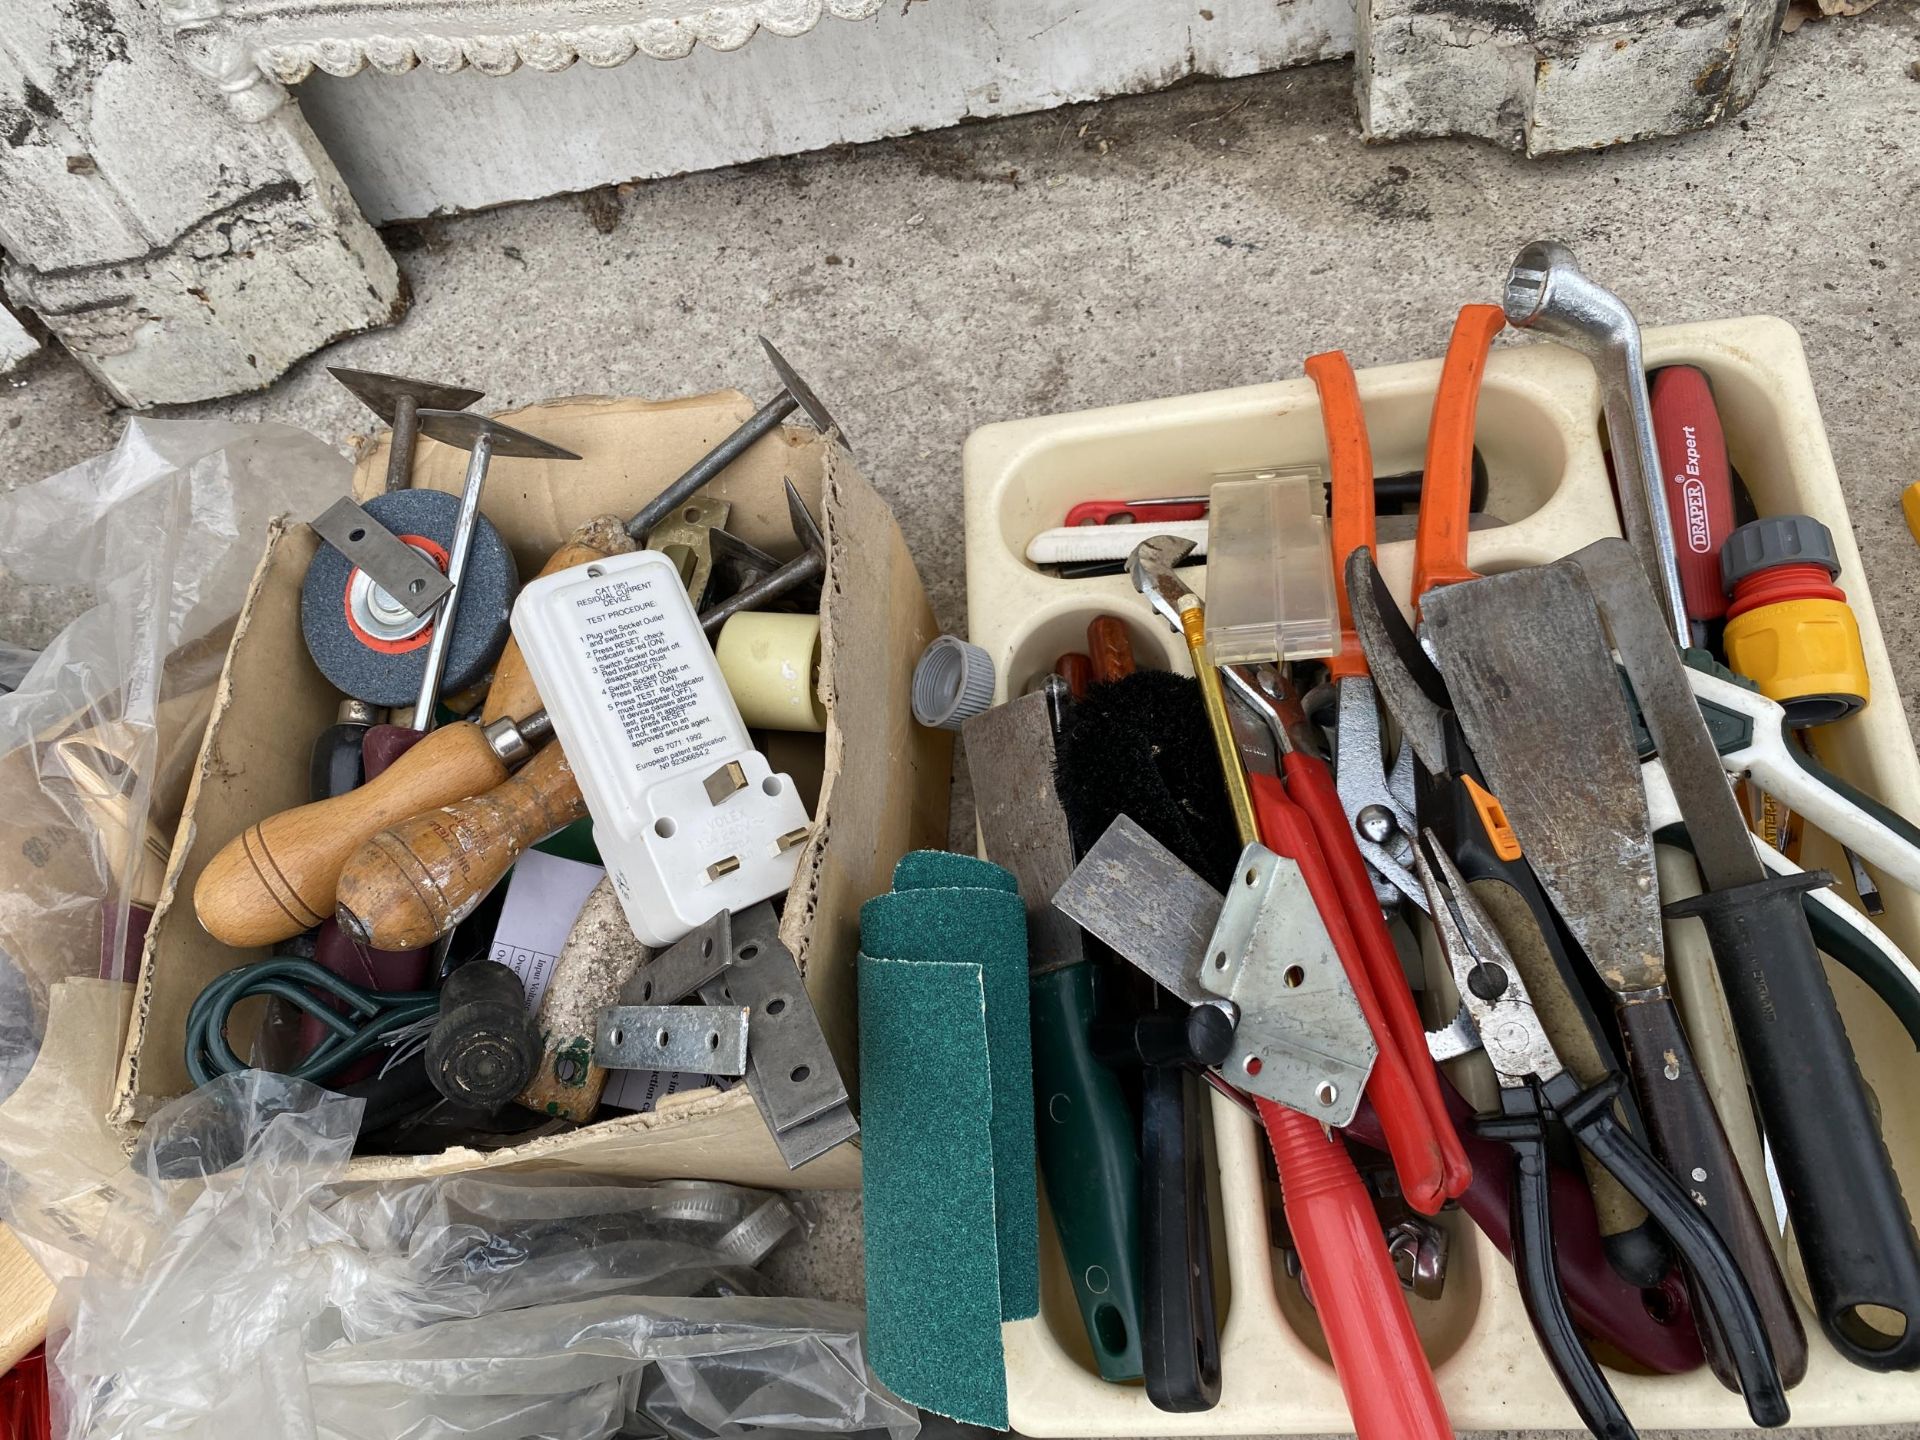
pixel 1693 462
pixel 1383 1371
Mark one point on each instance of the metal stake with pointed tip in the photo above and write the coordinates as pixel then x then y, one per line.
pixel 808 565
pixel 399 401
pixel 794 394
pixel 482 439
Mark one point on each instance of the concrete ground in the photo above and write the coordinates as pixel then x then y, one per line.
pixel 1207 237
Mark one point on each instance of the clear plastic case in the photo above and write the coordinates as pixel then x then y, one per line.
pixel 1269 569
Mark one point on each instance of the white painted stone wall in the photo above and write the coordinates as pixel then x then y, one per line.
pixel 183 231
pixel 407 147
pixel 180 250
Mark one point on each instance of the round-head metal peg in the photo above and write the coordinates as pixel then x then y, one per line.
pixel 809 563
pixel 399 401
pixel 385 395
pixel 805 528
pixel 464 430
pixel 810 404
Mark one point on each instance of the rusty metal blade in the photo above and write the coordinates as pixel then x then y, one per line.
pixel 1539 700
pixel 1717 831
pixel 1410 689
pixel 1010 753
pixel 1132 893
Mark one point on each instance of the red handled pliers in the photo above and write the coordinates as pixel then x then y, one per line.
pixel 1300 818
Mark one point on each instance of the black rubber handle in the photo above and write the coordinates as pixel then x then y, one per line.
pixel 1717 1282
pixel 1523 1130
pixel 1687 1133
pixel 1849 1215
pixel 1835 938
pixel 1180 1344
pixel 1090 1161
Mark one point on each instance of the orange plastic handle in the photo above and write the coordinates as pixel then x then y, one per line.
pixel 1382 1370
pixel 1446 488
pixel 1350 490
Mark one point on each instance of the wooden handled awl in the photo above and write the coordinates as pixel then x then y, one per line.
pixel 414 881
pixel 279 877
pixel 512 691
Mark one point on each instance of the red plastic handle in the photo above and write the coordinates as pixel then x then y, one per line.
pixel 1652 1327
pixel 1312 787
pixel 384 744
pixel 1693 461
pixel 1383 1372
pixel 1417 1157
pixel 1077 670
pixel 1110 647
pixel 1109 512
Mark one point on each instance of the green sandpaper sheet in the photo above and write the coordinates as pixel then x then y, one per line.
pixel 955 909
pixel 948 870
pixel 946 1082
pixel 926 1186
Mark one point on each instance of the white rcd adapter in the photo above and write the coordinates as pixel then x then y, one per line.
pixel 689 817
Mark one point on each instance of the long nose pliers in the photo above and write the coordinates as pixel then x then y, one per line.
pixel 1533 1085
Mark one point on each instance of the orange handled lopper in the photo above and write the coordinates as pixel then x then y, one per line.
pixel 1383 1372
pixel 1340 816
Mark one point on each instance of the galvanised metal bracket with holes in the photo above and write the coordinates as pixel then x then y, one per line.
pixel 404 575
pixel 737 961
pixel 700 1039
pixel 1300 1038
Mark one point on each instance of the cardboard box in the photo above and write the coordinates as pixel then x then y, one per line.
pixel 883 786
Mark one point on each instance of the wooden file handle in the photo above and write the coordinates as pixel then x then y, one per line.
pixel 279 877
pixel 414 881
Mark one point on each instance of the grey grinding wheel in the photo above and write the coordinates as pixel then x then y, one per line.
pixel 371 648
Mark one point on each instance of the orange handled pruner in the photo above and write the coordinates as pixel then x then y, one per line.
pixel 1446 491
pixel 1349 490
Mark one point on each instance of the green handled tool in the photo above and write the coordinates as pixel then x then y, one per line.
pixel 1089 1154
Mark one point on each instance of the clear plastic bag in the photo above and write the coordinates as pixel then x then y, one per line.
pixel 241 1288
pixel 15 662
pixel 98 739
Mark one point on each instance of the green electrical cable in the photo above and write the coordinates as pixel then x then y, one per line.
pixel 375 1016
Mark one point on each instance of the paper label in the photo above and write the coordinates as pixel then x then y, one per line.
pixel 545 894
pixel 655 678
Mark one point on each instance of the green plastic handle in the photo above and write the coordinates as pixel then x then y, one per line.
pixel 1090 1164
pixel 1892 819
